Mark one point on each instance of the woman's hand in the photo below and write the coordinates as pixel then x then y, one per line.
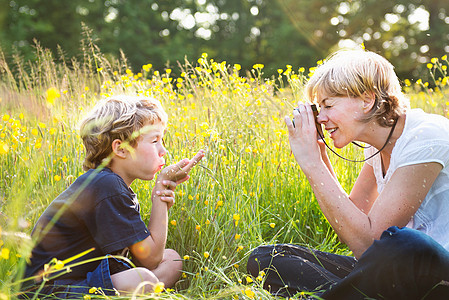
pixel 303 136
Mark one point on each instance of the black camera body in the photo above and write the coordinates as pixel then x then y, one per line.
pixel 319 128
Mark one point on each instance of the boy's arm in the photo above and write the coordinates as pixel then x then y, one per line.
pixel 149 252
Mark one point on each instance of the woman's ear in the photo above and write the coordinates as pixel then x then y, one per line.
pixel 369 99
pixel 118 148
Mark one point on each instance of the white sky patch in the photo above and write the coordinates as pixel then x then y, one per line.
pixel 184 17
pixel 392 18
pixel 420 16
pixel 348 44
pixel 203 20
pixel 203 33
pixel 343 8
pixel 254 10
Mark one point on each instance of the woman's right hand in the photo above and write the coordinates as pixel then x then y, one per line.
pixel 303 137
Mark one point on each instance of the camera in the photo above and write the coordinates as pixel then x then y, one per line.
pixel 315 114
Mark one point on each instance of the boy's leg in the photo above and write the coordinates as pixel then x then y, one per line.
pixel 128 281
pixel 403 264
pixel 290 269
pixel 168 272
pixel 170 268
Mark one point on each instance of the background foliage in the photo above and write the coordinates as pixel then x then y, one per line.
pixel 246 63
pixel 275 33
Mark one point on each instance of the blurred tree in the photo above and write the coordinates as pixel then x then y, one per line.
pixel 407 32
pixel 145 31
pixel 51 22
pixel 274 33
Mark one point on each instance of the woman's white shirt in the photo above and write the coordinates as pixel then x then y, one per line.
pixel 425 139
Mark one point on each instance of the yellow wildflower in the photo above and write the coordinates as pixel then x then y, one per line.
pixel 158 287
pixel 173 222
pixel 51 95
pixel 249 293
pixel 4 148
pixel 272 225
pixel 186 257
pixel 236 218
pixel 206 254
pixel 4 253
pixel 59 265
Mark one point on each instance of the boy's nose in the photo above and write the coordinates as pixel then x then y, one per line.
pixel 163 151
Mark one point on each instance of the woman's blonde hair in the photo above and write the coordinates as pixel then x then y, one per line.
pixel 351 73
pixel 119 117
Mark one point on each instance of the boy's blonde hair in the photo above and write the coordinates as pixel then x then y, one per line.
pixel 119 117
pixel 351 73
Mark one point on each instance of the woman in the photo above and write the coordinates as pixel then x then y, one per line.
pixel 396 218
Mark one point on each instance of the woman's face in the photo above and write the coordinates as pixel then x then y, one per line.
pixel 341 118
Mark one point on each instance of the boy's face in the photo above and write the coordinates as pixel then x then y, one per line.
pixel 147 158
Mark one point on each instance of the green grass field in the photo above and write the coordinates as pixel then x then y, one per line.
pixel 247 191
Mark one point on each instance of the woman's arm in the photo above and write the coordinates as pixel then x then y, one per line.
pixel 364 192
pixel 396 205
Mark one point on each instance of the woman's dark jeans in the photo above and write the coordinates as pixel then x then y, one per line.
pixel 403 264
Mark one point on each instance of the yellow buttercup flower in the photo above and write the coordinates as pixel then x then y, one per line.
pixel 249 293
pixel 4 148
pixel 158 287
pixel 51 95
pixel 59 265
pixel 206 254
pixel 4 253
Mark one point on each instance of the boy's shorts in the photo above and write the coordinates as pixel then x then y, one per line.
pixel 97 282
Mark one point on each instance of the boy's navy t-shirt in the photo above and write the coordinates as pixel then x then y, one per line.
pixel 97 211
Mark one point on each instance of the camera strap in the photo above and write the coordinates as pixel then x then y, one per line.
pixel 351 160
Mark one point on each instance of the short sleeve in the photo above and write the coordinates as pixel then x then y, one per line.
pixel 368 152
pixel 118 223
pixel 426 140
pixel 424 151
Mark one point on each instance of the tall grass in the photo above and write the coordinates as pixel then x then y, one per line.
pixel 247 191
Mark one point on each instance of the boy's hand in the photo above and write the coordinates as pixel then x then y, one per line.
pixel 179 172
pixel 173 175
pixel 168 195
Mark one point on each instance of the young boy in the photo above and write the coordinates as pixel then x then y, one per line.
pixel 99 213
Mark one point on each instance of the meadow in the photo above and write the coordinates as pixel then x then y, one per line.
pixel 247 191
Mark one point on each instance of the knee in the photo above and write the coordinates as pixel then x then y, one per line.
pixel 257 260
pixel 174 259
pixel 135 279
pixel 405 246
pixel 145 275
pixel 400 241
